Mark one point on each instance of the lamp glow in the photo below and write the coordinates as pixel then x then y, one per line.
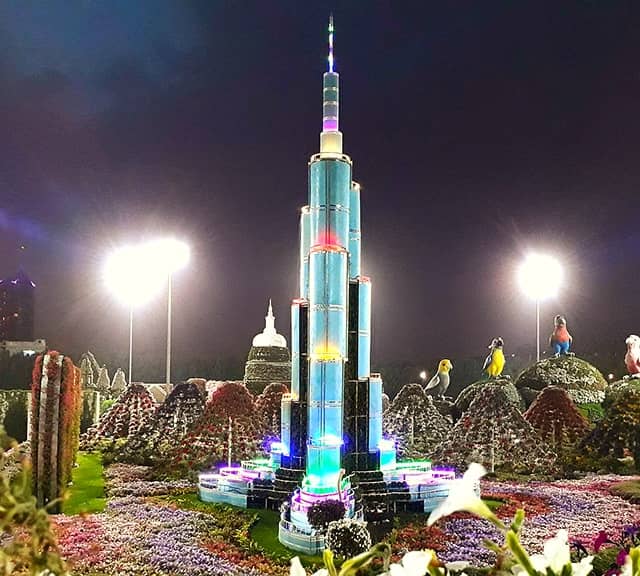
pixel 168 254
pixel 540 276
pixel 132 276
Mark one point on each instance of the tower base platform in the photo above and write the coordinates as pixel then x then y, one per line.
pixel 412 487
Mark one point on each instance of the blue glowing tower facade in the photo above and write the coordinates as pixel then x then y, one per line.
pixel 332 419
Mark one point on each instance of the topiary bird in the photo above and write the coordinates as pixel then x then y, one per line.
pixel 632 357
pixel 494 364
pixel 560 339
pixel 438 385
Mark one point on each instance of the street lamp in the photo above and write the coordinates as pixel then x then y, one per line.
pixel 423 376
pixel 170 255
pixel 134 278
pixel 540 277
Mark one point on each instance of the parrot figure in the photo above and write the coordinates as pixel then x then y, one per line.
pixel 632 357
pixel 560 339
pixel 494 364
pixel 438 385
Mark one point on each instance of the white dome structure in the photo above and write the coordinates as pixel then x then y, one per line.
pixel 269 359
pixel 269 337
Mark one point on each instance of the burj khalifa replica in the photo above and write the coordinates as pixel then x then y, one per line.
pixel 332 419
pixel 331 445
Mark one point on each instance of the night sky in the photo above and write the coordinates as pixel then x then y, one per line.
pixel 478 130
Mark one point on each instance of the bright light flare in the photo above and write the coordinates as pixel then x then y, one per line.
pixel 540 276
pixel 423 375
pixel 133 276
pixel 169 253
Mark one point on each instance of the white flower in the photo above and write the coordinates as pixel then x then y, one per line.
pixel 412 564
pixel 462 496
pixel 583 567
pixel 557 555
pixel 556 551
pixel 298 570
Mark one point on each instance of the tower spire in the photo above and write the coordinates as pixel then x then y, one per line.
pixel 331 137
pixel 330 43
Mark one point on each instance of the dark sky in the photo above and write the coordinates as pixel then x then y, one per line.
pixel 479 130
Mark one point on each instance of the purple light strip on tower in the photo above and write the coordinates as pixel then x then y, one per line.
pixel 329 125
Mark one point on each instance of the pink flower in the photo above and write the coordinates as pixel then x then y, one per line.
pixel 601 539
pixel 621 558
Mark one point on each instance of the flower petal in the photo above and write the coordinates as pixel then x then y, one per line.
pixel 416 563
pixel 296 567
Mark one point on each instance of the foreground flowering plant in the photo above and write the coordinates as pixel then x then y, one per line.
pixel 511 557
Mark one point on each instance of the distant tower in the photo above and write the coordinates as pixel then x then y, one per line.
pixel 269 360
pixel 17 308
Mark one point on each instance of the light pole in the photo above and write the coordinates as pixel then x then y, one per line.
pixel 172 255
pixel 540 277
pixel 134 278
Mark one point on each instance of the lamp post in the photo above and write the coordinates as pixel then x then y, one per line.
pixel 540 277
pixel 173 255
pixel 133 278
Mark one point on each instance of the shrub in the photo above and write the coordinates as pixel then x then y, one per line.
pixel 322 513
pixel 348 537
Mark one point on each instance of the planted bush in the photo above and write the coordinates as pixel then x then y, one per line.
pixel 347 537
pixel 325 512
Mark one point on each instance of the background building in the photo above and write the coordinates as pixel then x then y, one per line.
pixel 269 359
pixel 17 308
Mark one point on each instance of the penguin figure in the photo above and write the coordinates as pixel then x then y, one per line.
pixel 438 385
pixel 494 364
pixel 560 339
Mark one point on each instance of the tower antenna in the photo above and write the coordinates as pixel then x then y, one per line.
pixel 330 43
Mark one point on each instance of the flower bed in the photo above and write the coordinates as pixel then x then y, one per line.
pixel 178 535
pixel 584 507
pixel 138 537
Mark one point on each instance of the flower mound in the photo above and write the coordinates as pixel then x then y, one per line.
pixel 619 429
pixel 230 417
pixel 470 393
pixel 126 417
pixel 170 423
pixel 415 423
pixel 581 380
pixel 556 418
pixel 494 430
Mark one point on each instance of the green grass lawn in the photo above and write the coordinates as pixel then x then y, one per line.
pixel 86 494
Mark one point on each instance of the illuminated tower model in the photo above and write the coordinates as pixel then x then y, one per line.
pixel 332 420
pixel 331 444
